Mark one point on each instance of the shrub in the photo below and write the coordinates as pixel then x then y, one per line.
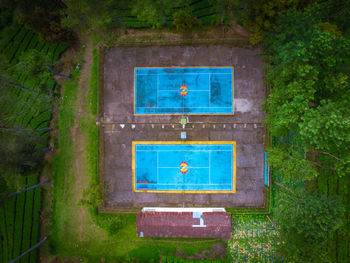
pixel 47 24
pixel 114 224
pixel 183 20
pixel 92 196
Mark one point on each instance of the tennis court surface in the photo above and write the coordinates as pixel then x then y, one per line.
pixel 119 127
pixel 184 90
pixel 184 167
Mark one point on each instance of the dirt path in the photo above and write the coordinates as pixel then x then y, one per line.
pixel 79 141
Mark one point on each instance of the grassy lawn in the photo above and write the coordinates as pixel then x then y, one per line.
pixel 79 231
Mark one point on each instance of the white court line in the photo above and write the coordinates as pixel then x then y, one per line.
pixel 192 90
pixel 157 89
pixel 209 91
pixel 177 167
pixel 171 107
pixel 231 161
pixel 186 184
pixel 157 169
pixel 183 104
pixel 209 166
pixel 174 74
pixel 182 150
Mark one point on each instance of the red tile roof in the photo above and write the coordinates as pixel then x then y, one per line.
pixel 184 224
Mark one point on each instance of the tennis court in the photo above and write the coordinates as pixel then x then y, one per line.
pixel 180 167
pixel 128 187
pixel 184 90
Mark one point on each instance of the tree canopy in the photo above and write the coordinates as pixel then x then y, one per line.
pixel 305 221
pixel 308 60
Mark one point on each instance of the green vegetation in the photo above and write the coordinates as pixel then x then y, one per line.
pixel 105 22
pixel 307 55
pixel 305 221
pixel 19 221
pixel 259 17
pixel 22 111
pixel 112 237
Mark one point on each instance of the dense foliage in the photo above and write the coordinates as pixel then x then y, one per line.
pixel 47 23
pixel 307 46
pixel 306 220
pixel 308 114
pixel 309 79
pixel 93 17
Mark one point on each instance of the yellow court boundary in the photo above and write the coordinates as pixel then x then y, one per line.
pixel 233 92
pixel 133 167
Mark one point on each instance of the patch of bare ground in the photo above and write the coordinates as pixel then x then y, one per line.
pixel 79 140
pixel 234 31
pixel 65 65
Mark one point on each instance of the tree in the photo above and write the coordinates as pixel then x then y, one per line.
pixel 305 221
pixel 47 23
pixel 155 12
pixel 224 9
pixel 41 16
pixel 260 17
pixel 291 162
pixel 327 127
pixel 309 96
pixel 101 20
pixel 183 20
pixel 20 152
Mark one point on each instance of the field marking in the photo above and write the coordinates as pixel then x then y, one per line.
pixel 233 169
pixel 182 150
pixel 183 184
pixel 180 74
pixel 183 110
pixel 173 90
pixel 210 91
pixel 157 168
pixel 186 107
pixel 177 167
pixel 183 104
pixel 157 89
pixel 209 166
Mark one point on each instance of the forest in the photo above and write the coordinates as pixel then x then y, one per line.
pixel 306 54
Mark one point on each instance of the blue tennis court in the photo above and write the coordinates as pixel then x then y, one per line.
pixel 184 167
pixel 187 90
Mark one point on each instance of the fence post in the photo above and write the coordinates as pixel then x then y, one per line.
pixel 29 250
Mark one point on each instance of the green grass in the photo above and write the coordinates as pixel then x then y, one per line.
pixel 20 200
pixel 93 95
pixel 96 242
pixel 16 223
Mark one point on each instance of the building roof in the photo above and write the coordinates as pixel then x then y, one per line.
pixel 184 224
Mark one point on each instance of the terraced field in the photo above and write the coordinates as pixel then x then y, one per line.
pixel 19 215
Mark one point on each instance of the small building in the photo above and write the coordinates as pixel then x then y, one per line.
pixel 183 223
